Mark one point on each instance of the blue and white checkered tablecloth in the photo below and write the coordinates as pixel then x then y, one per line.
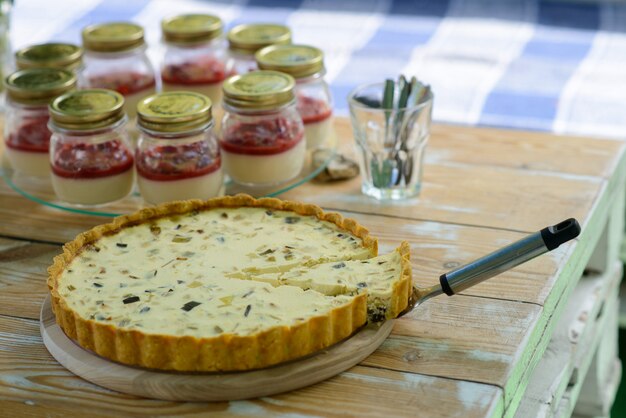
pixel 555 66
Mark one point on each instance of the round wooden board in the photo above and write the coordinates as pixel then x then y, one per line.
pixel 208 386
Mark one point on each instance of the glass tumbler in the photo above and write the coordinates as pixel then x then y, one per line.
pixel 390 142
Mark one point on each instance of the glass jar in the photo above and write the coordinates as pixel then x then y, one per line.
pixel 195 55
pixel 115 59
pixel 245 40
pixel 90 158
pixel 177 156
pixel 26 133
pixel 53 55
pixel 6 58
pixel 262 133
pixel 314 102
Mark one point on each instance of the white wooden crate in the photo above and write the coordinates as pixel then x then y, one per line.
pixel 582 353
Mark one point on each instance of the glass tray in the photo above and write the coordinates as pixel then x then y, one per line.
pixel 40 190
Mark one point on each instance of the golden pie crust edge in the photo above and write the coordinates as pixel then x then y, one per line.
pixel 224 352
pixel 403 288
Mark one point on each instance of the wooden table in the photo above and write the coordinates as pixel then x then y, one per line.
pixel 472 355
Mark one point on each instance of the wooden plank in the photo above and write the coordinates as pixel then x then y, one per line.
pixel 436 248
pixel 32 382
pixel 472 195
pixel 462 337
pixel 194 387
pixel 566 279
pixel 622 305
pixel 512 379
pixel 452 195
pixel 598 390
pixel 603 392
pixel 456 190
pixel 507 161
pixel 449 177
pixel 20 217
pixel 8 244
pixel 428 344
pixel 524 150
pixel 573 343
pixel 23 276
pixel 528 150
pixel 609 388
pixel 609 246
pixel 435 332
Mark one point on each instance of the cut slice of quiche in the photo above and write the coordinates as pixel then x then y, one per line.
pixel 386 279
pixel 206 323
pixel 162 288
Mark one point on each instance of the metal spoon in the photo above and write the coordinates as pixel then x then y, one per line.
pixel 497 262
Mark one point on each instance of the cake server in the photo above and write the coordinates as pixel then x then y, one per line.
pixel 497 262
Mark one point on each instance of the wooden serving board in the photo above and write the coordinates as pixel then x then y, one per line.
pixel 208 386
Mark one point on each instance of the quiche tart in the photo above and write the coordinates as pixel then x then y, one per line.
pixel 385 279
pixel 232 283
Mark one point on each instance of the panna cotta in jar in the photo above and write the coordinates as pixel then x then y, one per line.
pixel 314 102
pixel 195 55
pixel 262 133
pixel 133 86
pixel 318 122
pixel 177 157
pixel 26 133
pixel 89 154
pixel 62 56
pixel 115 59
pixel 245 40
pixel 27 148
pixel 203 76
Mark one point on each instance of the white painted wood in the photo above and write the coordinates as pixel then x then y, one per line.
pixel 622 305
pixel 601 403
pixel 609 391
pixel 583 362
pixel 572 345
pixel 208 386
pixel 598 391
pixel 609 246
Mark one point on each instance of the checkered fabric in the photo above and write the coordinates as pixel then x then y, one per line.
pixel 543 65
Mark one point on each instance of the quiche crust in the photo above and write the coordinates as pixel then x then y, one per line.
pixel 403 288
pixel 225 352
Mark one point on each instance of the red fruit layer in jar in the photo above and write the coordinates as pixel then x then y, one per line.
pixel 176 162
pixel 123 83
pixel 204 70
pixel 265 137
pixel 88 161
pixel 313 110
pixel 31 136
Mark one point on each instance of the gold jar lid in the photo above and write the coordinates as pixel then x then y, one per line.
pixel 191 28
pixel 38 86
pixel 112 37
pixel 51 55
pixel 259 90
pixel 298 61
pixel 174 112
pixel 248 39
pixel 87 109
